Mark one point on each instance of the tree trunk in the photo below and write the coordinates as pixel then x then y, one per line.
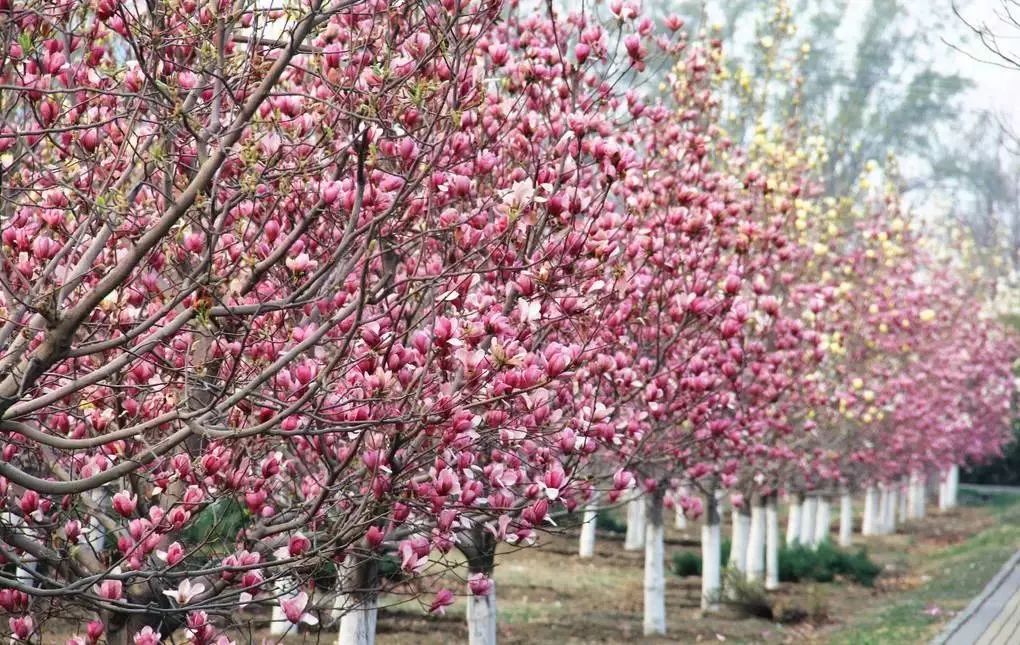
pixel 823 522
pixel 635 539
pixel 918 484
pixel 586 549
pixel 846 519
pixel 711 574
pixel 771 542
pixel 808 518
pixel 895 498
pixel 655 574
pixel 796 505
pixel 905 497
pixel 954 485
pixel 360 603
pixel 481 618
pixel 480 550
pixel 868 523
pixel 756 540
pixel 944 490
pixel 681 520
pixel 740 527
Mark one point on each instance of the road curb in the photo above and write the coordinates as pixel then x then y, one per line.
pixel 992 586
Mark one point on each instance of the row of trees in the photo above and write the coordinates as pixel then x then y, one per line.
pixel 294 292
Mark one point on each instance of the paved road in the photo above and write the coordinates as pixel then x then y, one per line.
pixel 993 618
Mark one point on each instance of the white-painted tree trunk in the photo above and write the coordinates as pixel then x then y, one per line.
pixel 868 521
pixel 586 548
pixel 635 539
pixel 739 529
pixel 918 486
pixel 905 493
pixel 358 608
pixel 655 571
pixel 756 541
pixel 25 574
pixel 793 520
pixel 481 618
pixel 823 522
pixel 357 625
pixel 680 522
pixel 911 503
pixel 954 485
pixel 808 518
pixel 711 556
pixel 944 490
pixel 895 495
pixel 846 520
pixel 882 521
pixel 771 543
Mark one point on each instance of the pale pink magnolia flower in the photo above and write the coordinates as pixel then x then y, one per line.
pixel 184 593
pixel 148 636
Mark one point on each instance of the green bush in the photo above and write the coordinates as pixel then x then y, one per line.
pixel 798 563
pixel 688 563
pixel 606 522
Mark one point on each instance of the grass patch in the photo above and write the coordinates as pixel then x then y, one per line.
pixel 956 574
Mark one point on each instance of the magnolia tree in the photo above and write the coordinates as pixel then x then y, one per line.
pixel 249 313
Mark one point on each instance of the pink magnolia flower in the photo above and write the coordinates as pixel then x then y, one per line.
pixel 22 627
pixel 443 599
pixel 110 589
pixel 294 609
pixel 125 503
pixel 480 584
pixel 173 554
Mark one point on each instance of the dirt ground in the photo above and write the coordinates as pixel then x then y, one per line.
pixel 546 594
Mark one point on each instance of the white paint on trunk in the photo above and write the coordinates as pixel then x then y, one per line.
pixel 739 529
pixel 793 521
pixel 846 520
pixel 943 490
pixel 586 549
pixel 918 485
pixel 868 521
pixel 635 539
pixel 756 542
pixel 655 573
pixel 771 543
pixel 882 522
pixel 711 557
pixel 823 522
pixel 911 503
pixel 905 495
pixel 357 625
pixel 808 518
pixel 680 520
pixel 895 496
pixel 481 618
pixel 954 485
